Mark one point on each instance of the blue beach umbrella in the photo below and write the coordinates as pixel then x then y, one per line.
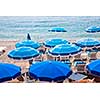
pixel 65 49
pixel 9 71
pixel 54 42
pixel 50 71
pixel 89 42
pixel 93 29
pixel 23 53
pixel 28 43
pixel 94 67
pixel 57 29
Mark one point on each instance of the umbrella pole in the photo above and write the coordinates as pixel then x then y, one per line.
pixel 26 70
pixel 72 63
pixel 52 81
pixel 25 76
pixel 25 81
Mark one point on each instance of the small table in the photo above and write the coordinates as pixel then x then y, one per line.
pixel 77 76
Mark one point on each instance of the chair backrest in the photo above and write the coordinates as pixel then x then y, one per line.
pixel 81 67
pixel 93 55
pixel 63 58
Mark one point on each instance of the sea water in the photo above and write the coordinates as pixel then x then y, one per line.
pixel 17 27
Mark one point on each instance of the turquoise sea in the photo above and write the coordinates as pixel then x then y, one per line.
pixel 17 27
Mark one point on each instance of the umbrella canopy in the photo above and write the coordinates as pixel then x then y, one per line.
pixel 28 43
pixel 54 42
pixel 8 71
pixel 94 67
pixel 88 42
pixel 65 49
pixel 50 71
pixel 23 53
pixel 57 29
pixel 28 37
pixel 93 29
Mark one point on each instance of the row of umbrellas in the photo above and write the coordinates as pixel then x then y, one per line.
pixel 90 29
pixel 88 42
pixel 27 51
pixel 45 71
pixel 66 48
pixel 27 48
pixel 55 70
